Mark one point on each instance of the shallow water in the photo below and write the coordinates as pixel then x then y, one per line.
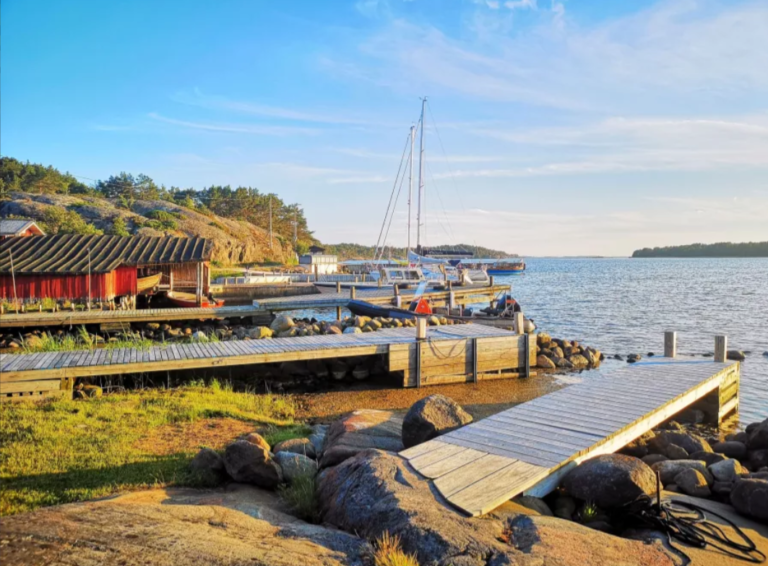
pixel 625 305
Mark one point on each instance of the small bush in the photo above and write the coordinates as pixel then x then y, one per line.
pixel 301 497
pixel 273 435
pixel 62 221
pixel 389 553
pixel 119 227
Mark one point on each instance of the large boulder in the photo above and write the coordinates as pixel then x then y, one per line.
pixel 258 440
pixel 731 449
pixel 689 442
pixel 376 493
pixel 758 436
pixel 669 469
pixel 295 465
pixel 281 323
pixel 611 480
pixel 302 446
pixel 361 430
pixel 430 417
pixel 750 497
pixel 249 463
pixel 208 465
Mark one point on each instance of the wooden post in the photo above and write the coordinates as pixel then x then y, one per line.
pixel 421 328
pixel 527 353
pixel 490 279
pixel 519 323
pixel 418 361
pixel 199 286
pixel 670 344
pixel 352 293
pixel 474 360
pixel 338 313
pixel 170 277
pixel 721 348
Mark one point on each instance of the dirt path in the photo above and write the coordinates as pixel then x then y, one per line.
pixel 479 400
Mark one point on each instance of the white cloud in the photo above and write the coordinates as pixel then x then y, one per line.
pixel 520 4
pixel 235 128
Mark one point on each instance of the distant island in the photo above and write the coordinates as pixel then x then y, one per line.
pixel 358 251
pixel 721 249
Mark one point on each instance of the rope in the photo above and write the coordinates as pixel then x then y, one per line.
pixel 687 523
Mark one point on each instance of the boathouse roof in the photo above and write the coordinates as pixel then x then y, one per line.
pixel 14 227
pixel 68 253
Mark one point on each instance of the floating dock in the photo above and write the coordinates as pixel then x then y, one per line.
pixel 529 448
pixel 447 355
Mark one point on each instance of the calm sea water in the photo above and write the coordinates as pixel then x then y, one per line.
pixel 625 305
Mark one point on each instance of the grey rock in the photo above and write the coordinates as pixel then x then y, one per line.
pixel 610 480
pixel 690 442
pixel 708 457
pixel 208 465
pixel 651 459
pixel 535 503
pixel 249 463
pixel 317 438
pixel 731 448
pixel 693 483
pixel 638 447
pixel 282 323
pixel 758 437
pixel 675 452
pixel 722 488
pixel 430 417
pixel 758 458
pixel 302 446
pixel 295 465
pixel 668 470
pixel 736 355
pixel 750 497
pixel 564 507
pixel 727 470
pixel 359 431
pixel 742 437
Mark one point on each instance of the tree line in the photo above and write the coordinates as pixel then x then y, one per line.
pixel 721 249
pixel 238 203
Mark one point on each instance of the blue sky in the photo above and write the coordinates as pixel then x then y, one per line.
pixel 555 127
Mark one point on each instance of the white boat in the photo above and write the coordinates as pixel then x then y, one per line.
pixel 382 278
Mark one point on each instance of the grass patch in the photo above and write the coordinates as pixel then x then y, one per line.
pixel 46 342
pixel 389 553
pixel 62 451
pixel 301 497
pixel 274 434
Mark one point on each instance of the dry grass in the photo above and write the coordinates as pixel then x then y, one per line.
pixel 389 553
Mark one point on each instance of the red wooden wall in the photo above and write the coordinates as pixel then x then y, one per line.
pixel 122 281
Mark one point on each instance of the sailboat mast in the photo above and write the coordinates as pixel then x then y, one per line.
pixel 410 188
pixel 421 176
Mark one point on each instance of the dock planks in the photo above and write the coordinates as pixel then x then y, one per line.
pixel 530 447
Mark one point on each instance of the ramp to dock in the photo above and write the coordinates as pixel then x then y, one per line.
pixel 527 449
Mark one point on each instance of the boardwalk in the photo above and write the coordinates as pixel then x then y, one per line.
pixel 527 449
pixel 53 371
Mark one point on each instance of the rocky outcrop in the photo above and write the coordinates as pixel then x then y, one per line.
pixel 430 417
pixel 689 442
pixel 750 497
pixel 692 482
pixel 234 242
pixel 176 527
pixel 359 431
pixel 294 466
pixel 669 469
pixel 611 480
pixel 376 493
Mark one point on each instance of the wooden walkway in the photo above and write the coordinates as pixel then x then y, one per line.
pixel 462 295
pixel 54 371
pixel 530 447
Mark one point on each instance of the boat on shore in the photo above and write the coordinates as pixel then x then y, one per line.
pixel 189 300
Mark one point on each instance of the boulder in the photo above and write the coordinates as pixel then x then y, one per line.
pixel 295 465
pixel 651 459
pixel 693 483
pixel 430 417
pixel 750 497
pixel 731 448
pixel 375 493
pixel 557 352
pixel 261 332
pixel 543 339
pixel 742 437
pixel 675 452
pixel 727 470
pixel 208 465
pixel 535 503
pixel 736 355
pixel 610 480
pixel 758 459
pixel 301 446
pixel 592 356
pixel 258 440
pixel 564 507
pixel 578 361
pixel 708 458
pixel 669 469
pixel 317 438
pixel 249 463
pixel 359 431
pixel 544 362
pixel 281 324
pixel 689 442
pixel 352 330
pixel 758 436
pixel 638 447
pixel 722 488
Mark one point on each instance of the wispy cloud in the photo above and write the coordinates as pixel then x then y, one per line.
pixel 235 128
pixel 360 180
pixel 197 98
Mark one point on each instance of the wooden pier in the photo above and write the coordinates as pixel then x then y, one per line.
pixel 529 448
pixel 463 295
pixel 442 357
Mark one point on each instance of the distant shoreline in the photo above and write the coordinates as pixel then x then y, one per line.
pixel 718 250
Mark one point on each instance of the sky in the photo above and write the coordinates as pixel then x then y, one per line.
pixel 553 127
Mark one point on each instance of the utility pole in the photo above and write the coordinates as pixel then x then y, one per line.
pixel 419 212
pixel 295 226
pixel 410 189
pixel 270 222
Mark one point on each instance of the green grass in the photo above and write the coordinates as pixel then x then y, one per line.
pixel 301 497
pixel 274 434
pixel 62 451
pixel 82 341
pixel 389 553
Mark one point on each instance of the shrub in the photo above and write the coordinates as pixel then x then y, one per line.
pixel 389 553
pixel 119 227
pixel 162 220
pixel 62 221
pixel 273 435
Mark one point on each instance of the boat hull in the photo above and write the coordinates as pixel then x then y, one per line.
pixel 188 301
pixel 506 271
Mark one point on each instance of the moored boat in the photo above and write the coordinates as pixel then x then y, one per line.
pixel 189 301
pixel 507 267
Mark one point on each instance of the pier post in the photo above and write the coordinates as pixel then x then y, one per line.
pixel 721 348
pixel 519 323
pixel 352 292
pixel 338 287
pixel 490 278
pixel 670 344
